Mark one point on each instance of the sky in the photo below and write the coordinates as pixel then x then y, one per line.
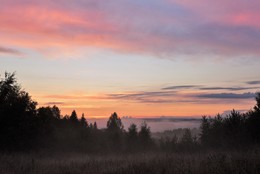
pixel 134 57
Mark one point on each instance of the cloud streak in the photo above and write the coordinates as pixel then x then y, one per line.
pixel 214 88
pixel 54 103
pixel 181 87
pixel 174 97
pixel 174 94
pixel 227 96
pixel 228 88
pixel 253 82
pixel 160 97
pixel 9 51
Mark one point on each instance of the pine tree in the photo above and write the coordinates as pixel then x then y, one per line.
pixel 114 123
pixel 73 117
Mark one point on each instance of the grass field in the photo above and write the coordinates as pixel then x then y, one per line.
pixel 146 163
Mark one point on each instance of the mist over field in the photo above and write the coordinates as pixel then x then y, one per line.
pixel 156 124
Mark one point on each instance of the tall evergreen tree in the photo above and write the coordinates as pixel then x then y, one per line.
pixel 83 121
pixel 114 123
pixel 115 131
pixel 132 132
pixel 257 106
pixel 56 112
pixel 132 137
pixel 144 136
pixel 73 117
pixel 205 128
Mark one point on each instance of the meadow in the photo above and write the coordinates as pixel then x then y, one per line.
pixel 143 163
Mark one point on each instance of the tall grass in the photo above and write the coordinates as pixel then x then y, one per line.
pixel 145 163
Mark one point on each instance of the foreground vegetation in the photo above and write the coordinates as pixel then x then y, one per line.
pixel 152 163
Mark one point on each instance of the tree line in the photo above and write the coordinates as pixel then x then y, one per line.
pixel 24 127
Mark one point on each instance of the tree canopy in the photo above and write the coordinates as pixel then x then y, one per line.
pixel 18 124
pixel 24 127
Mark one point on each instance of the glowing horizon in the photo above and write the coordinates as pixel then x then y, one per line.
pixel 136 58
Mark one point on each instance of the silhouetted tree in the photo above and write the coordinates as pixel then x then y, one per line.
pixel 18 122
pixel 83 121
pixel 217 138
pixel 115 131
pixel 132 132
pixel 253 121
pixel 187 137
pixel 169 144
pixel 66 118
pixel 257 106
pixel 132 137
pixel 23 127
pixel 187 142
pixel 234 130
pixel 50 124
pixel 253 126
pixel 212 131
pixel 145 136
pixel 114 123
pixel 73 117
pixel 95 126
pixel 205 127
pixel 234 125
pixel 91 126
pixel 56 112
pixel 48 114
pixel 46 119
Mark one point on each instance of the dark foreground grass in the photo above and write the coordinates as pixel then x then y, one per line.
pixel 148 163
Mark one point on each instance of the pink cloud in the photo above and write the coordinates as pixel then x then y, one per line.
pixel 239 12
pixel 158 28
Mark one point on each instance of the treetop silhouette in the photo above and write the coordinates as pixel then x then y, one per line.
pixel 114 123
pixel 24 127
